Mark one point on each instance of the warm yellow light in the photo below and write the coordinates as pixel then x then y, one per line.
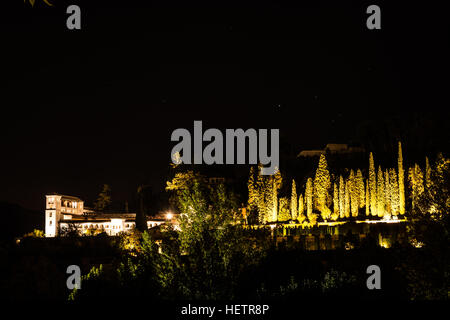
pixel 385 244
pixel 416 244
pixel 169 216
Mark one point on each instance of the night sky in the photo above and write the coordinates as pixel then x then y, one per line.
pixel 98 105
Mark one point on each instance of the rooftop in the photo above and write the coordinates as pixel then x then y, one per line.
pixel 64 196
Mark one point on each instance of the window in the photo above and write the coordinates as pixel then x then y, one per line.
pixel 50 214
pixel 50 223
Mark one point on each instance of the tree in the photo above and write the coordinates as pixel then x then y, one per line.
pixel 283 214
pixel 372 186
pixel 205 259
pixel 360 186
pixel 395 194
pixel 354 194
pixel 205 208
pixel 341 197
pixel 309 200
pixel 45 1
pixel 301 209
pixel 216 250
pixel 141 218
pixel 401 179
pixel 253 192
pixel 380 193
pixel 335 214
pixel 278 179
pixel 387 192
pixel 367 198
pixel 184 180
pixel 415 177
pixel 273 183
pixel 104 199
pixel 321 186
pixel 260 194
pixel 36 233
pixel 427 173
pixel 294 200
pixel 428 269
pixel 264 197
pixel 274 202
pixel 347 200
pixel 435 200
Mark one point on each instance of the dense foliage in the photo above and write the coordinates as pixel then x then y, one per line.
pixel 328 196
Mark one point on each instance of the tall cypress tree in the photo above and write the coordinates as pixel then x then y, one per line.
pixel 387 192
pixel 395 194
pixel 427 174
pixel 264 196
pixel 335 215
pixel 283 212
pixel 274 201
pixel 341 197
pixel 301 209
pixel 367 198
pixel 415 177
pixel 322 185
pixel 294 201
pixel 309 199
pixel 354 194
pixel 380 193
pixel 361 191
pixel 141 220
pixel 253 193
pixel 347 200
pixel 401 179
pixel 372 186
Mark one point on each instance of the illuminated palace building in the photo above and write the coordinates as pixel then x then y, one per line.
pixel 64 213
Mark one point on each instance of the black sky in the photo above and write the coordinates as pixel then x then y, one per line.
pixel 83 108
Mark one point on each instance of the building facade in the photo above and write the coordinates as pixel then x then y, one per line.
pixel 68 214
